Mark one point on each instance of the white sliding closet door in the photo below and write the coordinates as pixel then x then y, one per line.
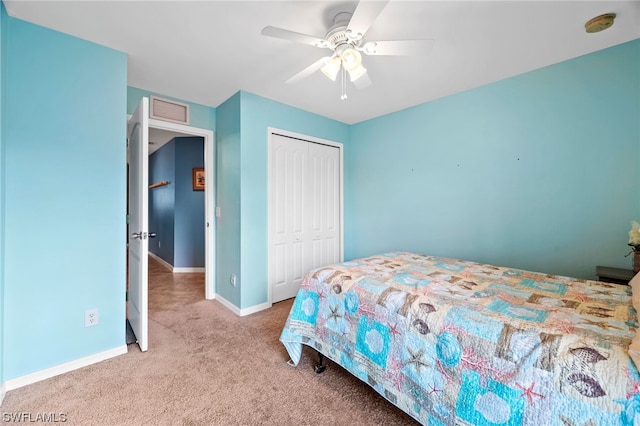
pixel 324 204
pixel 287 223
pixel 304 211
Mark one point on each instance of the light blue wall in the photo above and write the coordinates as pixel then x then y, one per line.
pixel 189 207
pixel 3 74
pixel 257 114
pixel 241 187
pixel 200 116
pixel 65 189
pixel 539 171
pixel 228 198
pixel 162 201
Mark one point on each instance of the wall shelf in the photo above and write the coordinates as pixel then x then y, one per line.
pixel 158 184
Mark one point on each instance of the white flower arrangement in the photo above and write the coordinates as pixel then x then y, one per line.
pixel 634 235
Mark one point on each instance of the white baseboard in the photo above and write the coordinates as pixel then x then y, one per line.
pixel 47 373
pixel 187 270
pixel 3 391
pixel 162 261
pixel 173 269
pixel 233 308
pixel 241 312
pixel 254 309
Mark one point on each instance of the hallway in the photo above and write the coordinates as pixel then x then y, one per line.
pixel 169 291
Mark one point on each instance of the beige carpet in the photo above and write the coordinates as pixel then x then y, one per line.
pixel 206 366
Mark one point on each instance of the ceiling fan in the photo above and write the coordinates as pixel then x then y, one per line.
pixel 346 38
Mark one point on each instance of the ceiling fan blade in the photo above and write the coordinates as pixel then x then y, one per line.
pixel 363 81
pixel 308 70
pixel 363 17
pixel 398 47
pixel 294 36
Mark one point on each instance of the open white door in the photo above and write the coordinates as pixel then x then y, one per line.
pixel 137 309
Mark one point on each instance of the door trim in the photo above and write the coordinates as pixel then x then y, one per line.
pixel 270 132
pixel 209 196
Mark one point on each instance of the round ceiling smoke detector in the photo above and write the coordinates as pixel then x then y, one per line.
pixel 600 23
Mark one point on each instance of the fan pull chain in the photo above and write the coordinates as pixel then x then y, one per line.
pixel 344 84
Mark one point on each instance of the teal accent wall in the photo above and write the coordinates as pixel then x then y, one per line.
pixel 65 198
pixel 228 198
pixel 257 114
pixel 3 75
pixel 201 116
pixel 539 171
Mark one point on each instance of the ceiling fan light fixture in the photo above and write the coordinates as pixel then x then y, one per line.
pixel 331 68
pixel 345 38
pixel 357 73
pixel 351 59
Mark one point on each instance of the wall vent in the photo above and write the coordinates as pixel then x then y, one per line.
pixel 163 109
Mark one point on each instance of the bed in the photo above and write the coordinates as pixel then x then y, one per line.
pixel 454 342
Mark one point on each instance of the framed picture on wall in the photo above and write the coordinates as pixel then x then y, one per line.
pixel 197 176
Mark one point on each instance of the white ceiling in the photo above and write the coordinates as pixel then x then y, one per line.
pixel 205 51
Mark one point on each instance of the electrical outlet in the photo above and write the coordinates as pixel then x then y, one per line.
pixel 90 317
pixel 232 280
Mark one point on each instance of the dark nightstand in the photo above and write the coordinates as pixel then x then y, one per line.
pixel 614 275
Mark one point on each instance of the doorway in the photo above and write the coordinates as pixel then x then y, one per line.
pixel 174 130
pixel 141 285
pixel 176 202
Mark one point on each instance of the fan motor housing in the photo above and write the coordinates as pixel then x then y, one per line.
pixel 337 34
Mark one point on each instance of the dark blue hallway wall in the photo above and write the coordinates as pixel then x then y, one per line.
pixel 176 211
pixel 189 213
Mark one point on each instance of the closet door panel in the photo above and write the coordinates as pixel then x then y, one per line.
pixel 324 203
pixel 288 185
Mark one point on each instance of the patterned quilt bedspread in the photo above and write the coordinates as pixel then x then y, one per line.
pixel 461 343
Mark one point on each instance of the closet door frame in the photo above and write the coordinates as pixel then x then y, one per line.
pixel 271 131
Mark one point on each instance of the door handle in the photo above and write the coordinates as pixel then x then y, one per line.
pixel 142 235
